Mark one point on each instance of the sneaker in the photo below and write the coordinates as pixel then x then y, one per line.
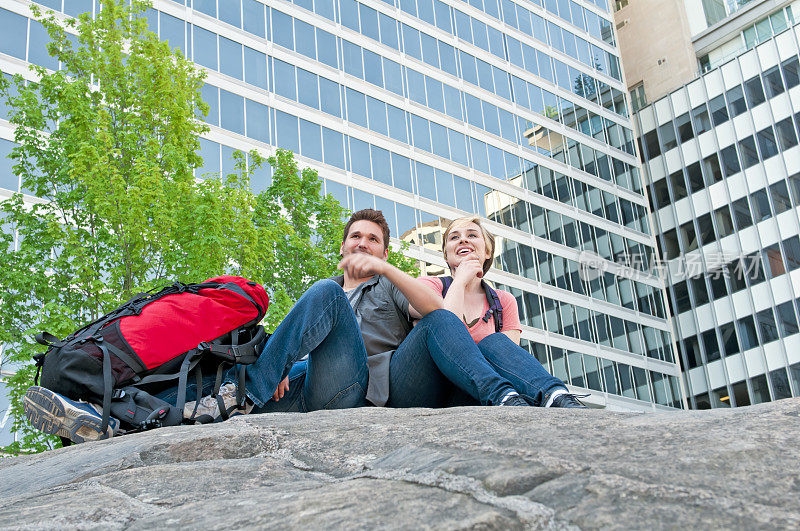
pixel 209 408
pixel 568 400
pixel 54 414
pixel 516 400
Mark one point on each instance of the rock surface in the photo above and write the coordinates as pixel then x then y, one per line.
pixel 487 468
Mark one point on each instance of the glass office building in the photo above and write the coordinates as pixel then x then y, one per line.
pixel 430 110
pixel 723 170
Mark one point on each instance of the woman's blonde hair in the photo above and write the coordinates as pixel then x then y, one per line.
pixel 488 238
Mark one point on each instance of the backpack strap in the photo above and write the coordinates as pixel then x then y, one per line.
pixel 446 283
pixel 108 385
pixel 495 308
pixel 243 354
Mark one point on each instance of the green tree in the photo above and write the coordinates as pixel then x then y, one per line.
pixel 108 145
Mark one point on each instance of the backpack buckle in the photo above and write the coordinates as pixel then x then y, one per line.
pixel 234 353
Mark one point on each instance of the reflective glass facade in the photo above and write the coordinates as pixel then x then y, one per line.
pixel 723 172
pixel 431 110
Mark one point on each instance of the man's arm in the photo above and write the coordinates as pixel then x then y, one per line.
pixel 422 300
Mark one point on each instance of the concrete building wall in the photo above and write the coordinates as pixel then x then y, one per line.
pixel 656 47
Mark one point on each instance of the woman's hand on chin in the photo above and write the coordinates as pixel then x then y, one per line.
pixel 470 269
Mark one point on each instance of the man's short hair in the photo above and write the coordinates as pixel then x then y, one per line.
pixel 368 214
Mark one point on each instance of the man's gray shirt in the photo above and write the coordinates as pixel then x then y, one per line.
pixel 382 314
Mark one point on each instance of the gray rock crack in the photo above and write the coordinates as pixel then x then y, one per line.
pixel 530 513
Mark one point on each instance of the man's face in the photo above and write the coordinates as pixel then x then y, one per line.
pixel 364 237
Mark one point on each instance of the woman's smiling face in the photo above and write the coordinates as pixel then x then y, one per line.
pixel 463 242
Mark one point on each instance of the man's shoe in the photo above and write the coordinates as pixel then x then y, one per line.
pixel 516 400
pixel 208 410
pixel 568 400
pixel 54 414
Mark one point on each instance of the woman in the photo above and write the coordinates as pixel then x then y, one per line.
pixel 469 249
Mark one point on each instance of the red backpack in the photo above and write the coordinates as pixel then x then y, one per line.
pixel 153 340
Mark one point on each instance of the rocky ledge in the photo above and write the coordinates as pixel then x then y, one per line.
pixel 487 468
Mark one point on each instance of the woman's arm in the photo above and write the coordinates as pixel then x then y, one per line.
pixel 513 335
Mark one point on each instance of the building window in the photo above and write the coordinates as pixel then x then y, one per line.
pixel 691 349
pixel 730 161
pixel 714 11
pixel 712 169
pixel 711 345
pixel 791 247
pixel 651 145
pixel 767 326
pixel 790 72
pixel 741 214
pixel 780 384
pixel 755 92
pixel 661 194
pixel 700 290
pixel 740 394
pixel 684 126
pixel 619 4
pixel 682 301
pixel 717 280
pixel 773 82
pixel 719 113
pixel 678 185
pixel 774 261
pixel 767 26
pixel 638 98
pixel 761 209
pixel 747 147
pixel 736 103
pixel 747 331
pixel 667 133
pixel 706 234
pixel 787 319
pixel 689 237
pixel 720 397
pixel 729 341
pixel 780 197
pixel 701 120
pixel 787 138
pixel 724 222
pixel 760 389
pixel 695 175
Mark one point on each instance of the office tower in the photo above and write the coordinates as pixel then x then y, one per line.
pixel 718 123
pixel 431 110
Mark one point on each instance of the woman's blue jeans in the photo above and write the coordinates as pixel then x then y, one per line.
pixel 416 382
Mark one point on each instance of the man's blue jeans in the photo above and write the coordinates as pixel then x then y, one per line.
pixel 321 325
